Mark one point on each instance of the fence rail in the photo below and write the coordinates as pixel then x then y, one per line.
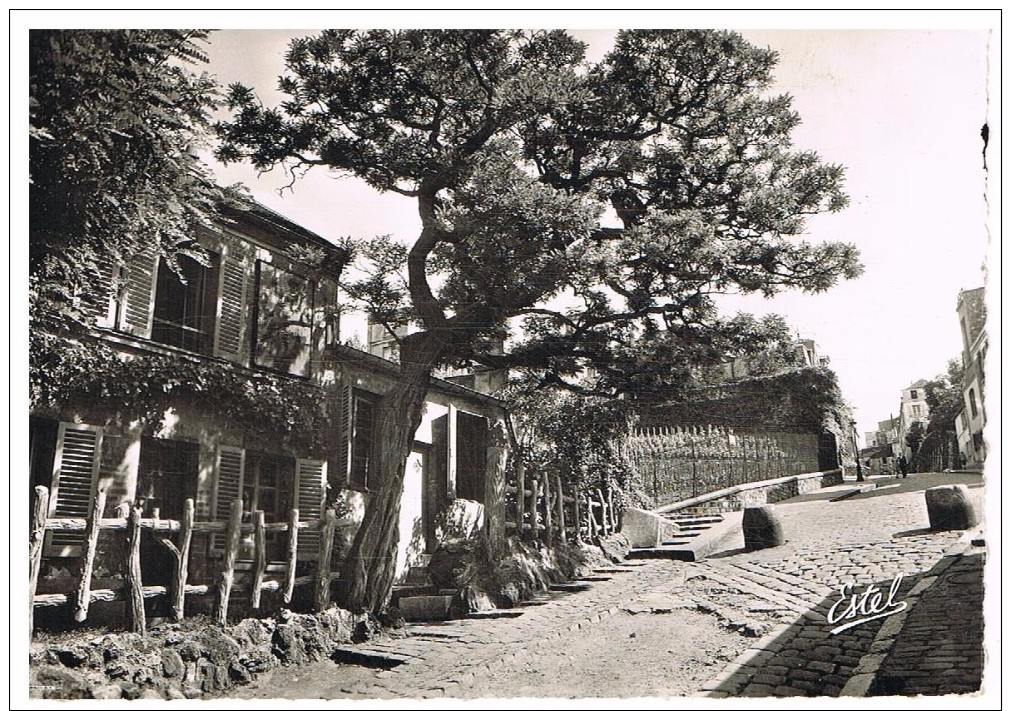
pixel 544 509
pixel 134 592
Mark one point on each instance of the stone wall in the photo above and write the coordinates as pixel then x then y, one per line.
pixel 759 493
pixel 187 660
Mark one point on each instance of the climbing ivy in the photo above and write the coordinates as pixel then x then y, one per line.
pixel 68 375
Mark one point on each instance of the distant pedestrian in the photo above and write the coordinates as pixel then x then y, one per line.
pixel 903 466
pixel 961 459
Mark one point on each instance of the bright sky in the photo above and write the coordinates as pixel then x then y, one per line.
pixel 901 110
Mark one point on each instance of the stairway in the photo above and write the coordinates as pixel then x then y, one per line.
pixel 693 535
pixel 418 599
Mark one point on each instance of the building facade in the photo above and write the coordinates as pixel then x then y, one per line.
pixel 913 408
pixel 226 379
pixel 970 422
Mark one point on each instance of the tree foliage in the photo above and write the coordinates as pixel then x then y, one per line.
pixel 599 204
pixel 637 187
pixel 943 394
pixel 115 118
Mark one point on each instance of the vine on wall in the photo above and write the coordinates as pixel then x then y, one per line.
pixel 68 375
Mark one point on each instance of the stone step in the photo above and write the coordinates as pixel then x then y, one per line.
pixel 493 614
pixel 569 587
pixel 423 608
pixel 692 520
pixel 682 536
pixel 695 545
pixel 668 552
pixel 368 658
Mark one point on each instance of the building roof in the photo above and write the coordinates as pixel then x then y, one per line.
pixel 277 228
pixel 381 365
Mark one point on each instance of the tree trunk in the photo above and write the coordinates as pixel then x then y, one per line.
pixel 368 571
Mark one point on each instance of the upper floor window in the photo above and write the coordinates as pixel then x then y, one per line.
pixel 284 311
pixel 913 395
pixel 184 304
pixel 917 410
pixel 363 417
pixel 972 402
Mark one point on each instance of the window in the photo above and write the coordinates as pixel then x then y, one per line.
pixel 268 486
pixel 167 476
pixel 284 308
pixel 184 304
pixel 916 410
pixel 972 402
pixel 912 395
pixel 41 455
pixel 471 456
pixel 363 415
pixel 274 484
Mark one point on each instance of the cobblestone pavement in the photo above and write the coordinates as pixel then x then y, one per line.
pixel 867 540
pixel 938 649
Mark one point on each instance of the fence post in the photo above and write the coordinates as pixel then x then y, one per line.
pixel 87 563
pixel 231 554
pixel 289 584
pixel 577 517
pixel 329 526
pixel 561 507
pixel 610 509
pixel 548 518
pixel 135 597
pixel 36 538
pixel 603 512
pixel 521 495
pixel 259 558
pixel 182 570
pixel 534 532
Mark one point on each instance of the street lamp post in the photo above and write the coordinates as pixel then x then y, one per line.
pixel 856 451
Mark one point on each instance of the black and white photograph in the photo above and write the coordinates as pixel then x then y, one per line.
pixel 382 357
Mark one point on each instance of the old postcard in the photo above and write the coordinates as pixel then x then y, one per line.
pixel 411 362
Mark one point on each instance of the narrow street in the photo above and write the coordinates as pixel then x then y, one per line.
pixel 738 624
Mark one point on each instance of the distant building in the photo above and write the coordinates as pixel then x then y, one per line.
pixel 970 421
pixel 912 408
pixel 805 355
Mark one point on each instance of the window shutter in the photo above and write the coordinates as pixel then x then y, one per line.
pixel 344 455
pixel 101 300
pixel 137 311
pixel 229 336
pixel 310 490
pixel 75 475
pixel 227 487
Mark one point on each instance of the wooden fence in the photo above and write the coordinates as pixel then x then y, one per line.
pixel 130 522
pixel 544 509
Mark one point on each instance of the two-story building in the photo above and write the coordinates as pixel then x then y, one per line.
pixel 226 378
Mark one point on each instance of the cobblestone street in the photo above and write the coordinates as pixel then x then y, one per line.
pixel 868 539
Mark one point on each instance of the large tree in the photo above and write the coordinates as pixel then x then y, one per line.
pixel 603 204
pixel 115 119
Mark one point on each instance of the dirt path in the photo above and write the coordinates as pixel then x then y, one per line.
pixel 664 642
